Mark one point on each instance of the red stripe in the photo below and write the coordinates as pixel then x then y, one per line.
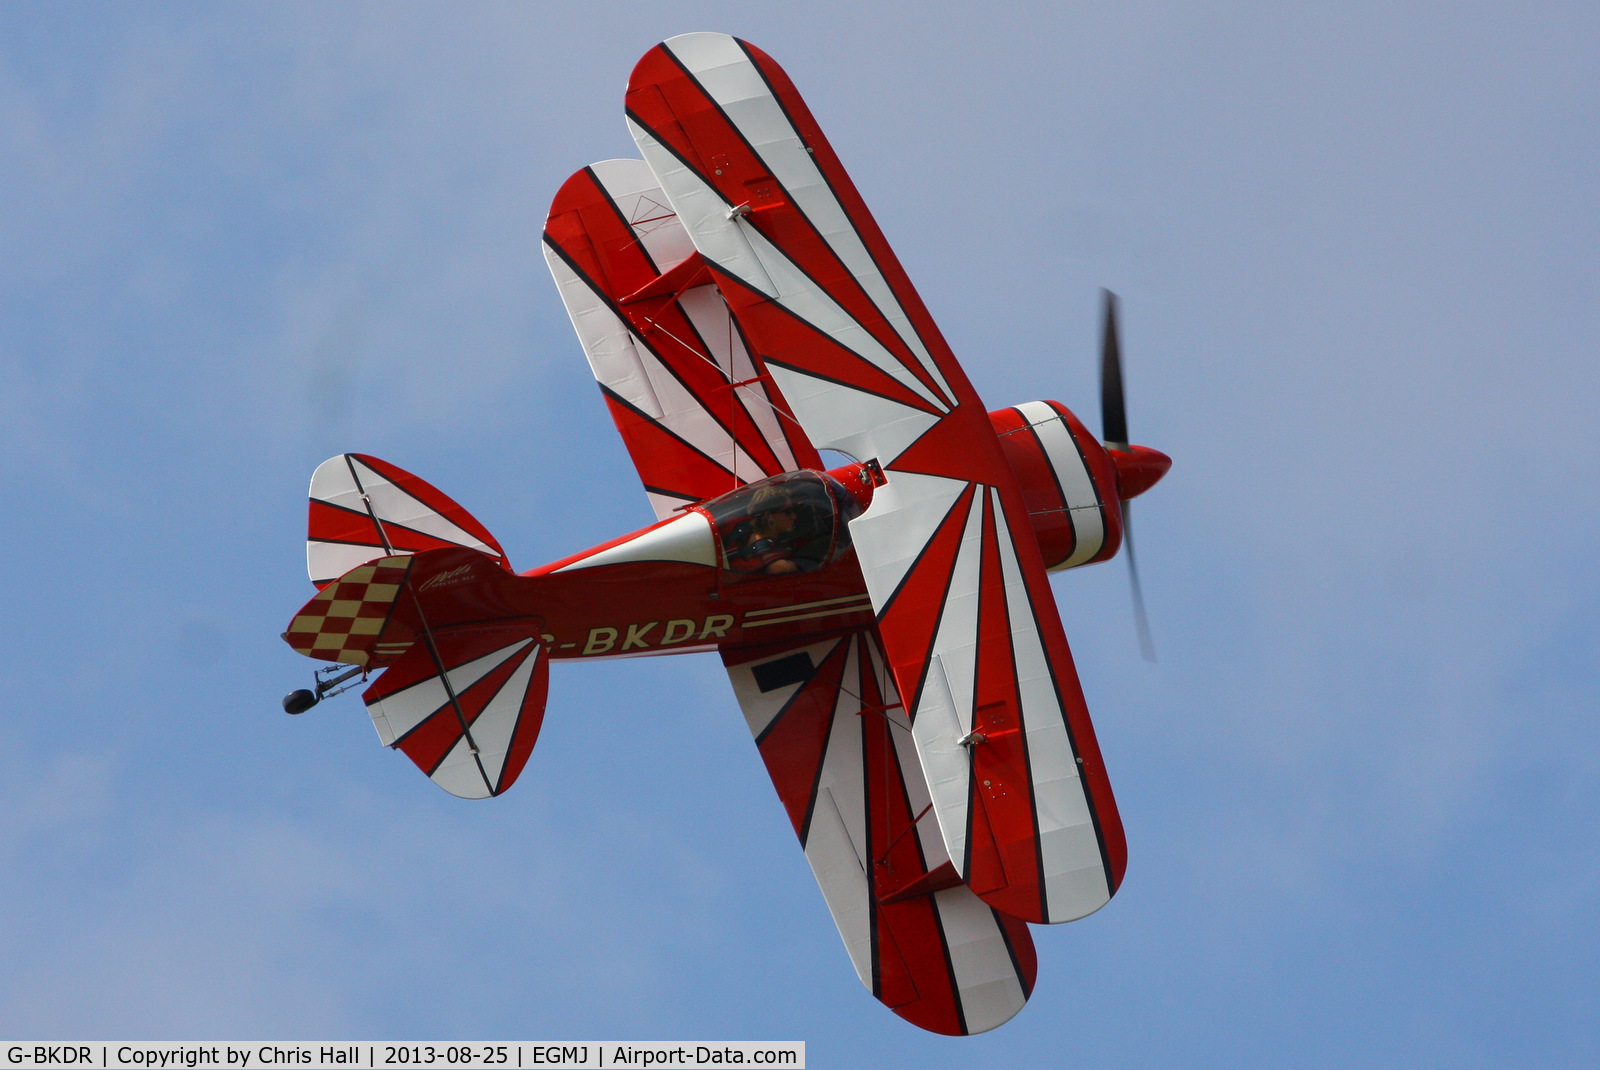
pixel 794 745
pixel 329 523
pixel 668 463
pixel 1001 789
pixel 911 619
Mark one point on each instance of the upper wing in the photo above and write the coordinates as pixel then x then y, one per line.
pixel 833 736
pixel 698 417
pixel 964 604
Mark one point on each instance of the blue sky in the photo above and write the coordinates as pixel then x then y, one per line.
pixel 1356 246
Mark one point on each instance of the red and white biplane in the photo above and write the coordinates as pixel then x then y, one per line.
pixel 887 624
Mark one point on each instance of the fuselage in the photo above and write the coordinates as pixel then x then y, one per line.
pixel 728 572
pixel 708 579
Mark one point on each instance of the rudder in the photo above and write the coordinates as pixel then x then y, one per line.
pixel 362 508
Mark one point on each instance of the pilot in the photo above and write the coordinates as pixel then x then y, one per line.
pixel 767 548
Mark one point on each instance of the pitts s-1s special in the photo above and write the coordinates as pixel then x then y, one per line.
pixel 888 624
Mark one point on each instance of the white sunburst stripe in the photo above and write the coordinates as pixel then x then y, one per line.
pixel 943 713
pixel 1073 870
pixel 986 978
pixel 852 421
pixel 1072 476
pixel 730 79
pixel 904 515
pixel 835 842
pixel 809 302
pixel 760 707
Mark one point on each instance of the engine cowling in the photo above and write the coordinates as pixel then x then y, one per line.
pixel 1069 482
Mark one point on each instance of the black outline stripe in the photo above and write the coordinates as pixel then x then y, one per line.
pixel 869 863
pixel 651 489
pixel 922 405
pixel 1016 964
pixel 522 710
pixel 788 423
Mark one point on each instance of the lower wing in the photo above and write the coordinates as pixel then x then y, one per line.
pixel 829 724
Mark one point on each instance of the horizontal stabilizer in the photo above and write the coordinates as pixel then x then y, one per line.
pixel 466 708
pixel 464 666
pixel 362 508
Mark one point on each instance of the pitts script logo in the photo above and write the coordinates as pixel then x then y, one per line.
pixel 447 579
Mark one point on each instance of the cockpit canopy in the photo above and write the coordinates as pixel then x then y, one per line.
pixel 788 523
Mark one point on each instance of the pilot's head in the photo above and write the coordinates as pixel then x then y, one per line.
pixel 773 509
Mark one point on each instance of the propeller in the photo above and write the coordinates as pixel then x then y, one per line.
pixel 1114 433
